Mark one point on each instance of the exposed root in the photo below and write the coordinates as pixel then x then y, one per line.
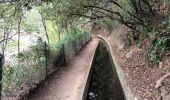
pixel 159 82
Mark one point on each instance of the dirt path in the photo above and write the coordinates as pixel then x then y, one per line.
pixel 69 82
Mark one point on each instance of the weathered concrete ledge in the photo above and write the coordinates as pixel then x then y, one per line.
pixel 88 77
pixel 127 92
pixel 85 84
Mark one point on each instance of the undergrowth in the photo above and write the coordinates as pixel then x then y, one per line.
pixel 160 38
pixel 29 67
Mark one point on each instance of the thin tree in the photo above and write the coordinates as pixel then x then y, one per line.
pixel 19 32
pixel 45 26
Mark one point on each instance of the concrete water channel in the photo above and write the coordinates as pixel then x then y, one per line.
pixel 103 82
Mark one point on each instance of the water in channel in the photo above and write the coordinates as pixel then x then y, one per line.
pixel 104 83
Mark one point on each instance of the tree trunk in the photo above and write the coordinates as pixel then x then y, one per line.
pixel 57 31
pixel 19 33
pixel 45 28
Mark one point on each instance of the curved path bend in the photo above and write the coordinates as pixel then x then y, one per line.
pixel 70 82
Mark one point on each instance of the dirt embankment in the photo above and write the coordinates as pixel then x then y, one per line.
pixel 140 72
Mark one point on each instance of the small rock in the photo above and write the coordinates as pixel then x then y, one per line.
pixel 164 92
pixel 120 47
pixel 129 54
pixel 160 65
pixel 92 95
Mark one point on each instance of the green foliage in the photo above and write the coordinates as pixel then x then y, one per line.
pixel 159 48
pixel 154 56
pixel 127 6
pixel 160 41
pixel 143 32
pixel 73 35
pixel 12 44
pixel 31 64
pixel 166 2
pixel 32 21
pixel 108 24
pixel 28 66
pixel 159 37
pixel 53 35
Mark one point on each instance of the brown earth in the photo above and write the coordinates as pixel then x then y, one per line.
pixel 141 74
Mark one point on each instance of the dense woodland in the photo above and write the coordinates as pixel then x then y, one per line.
pixel 58 20
pixel 146 18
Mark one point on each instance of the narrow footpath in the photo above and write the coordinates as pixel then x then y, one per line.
pixel 70 81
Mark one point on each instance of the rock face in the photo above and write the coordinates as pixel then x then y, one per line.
pixel 160 65
pixel 129 54
pixel 120 47
pixel 121 37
